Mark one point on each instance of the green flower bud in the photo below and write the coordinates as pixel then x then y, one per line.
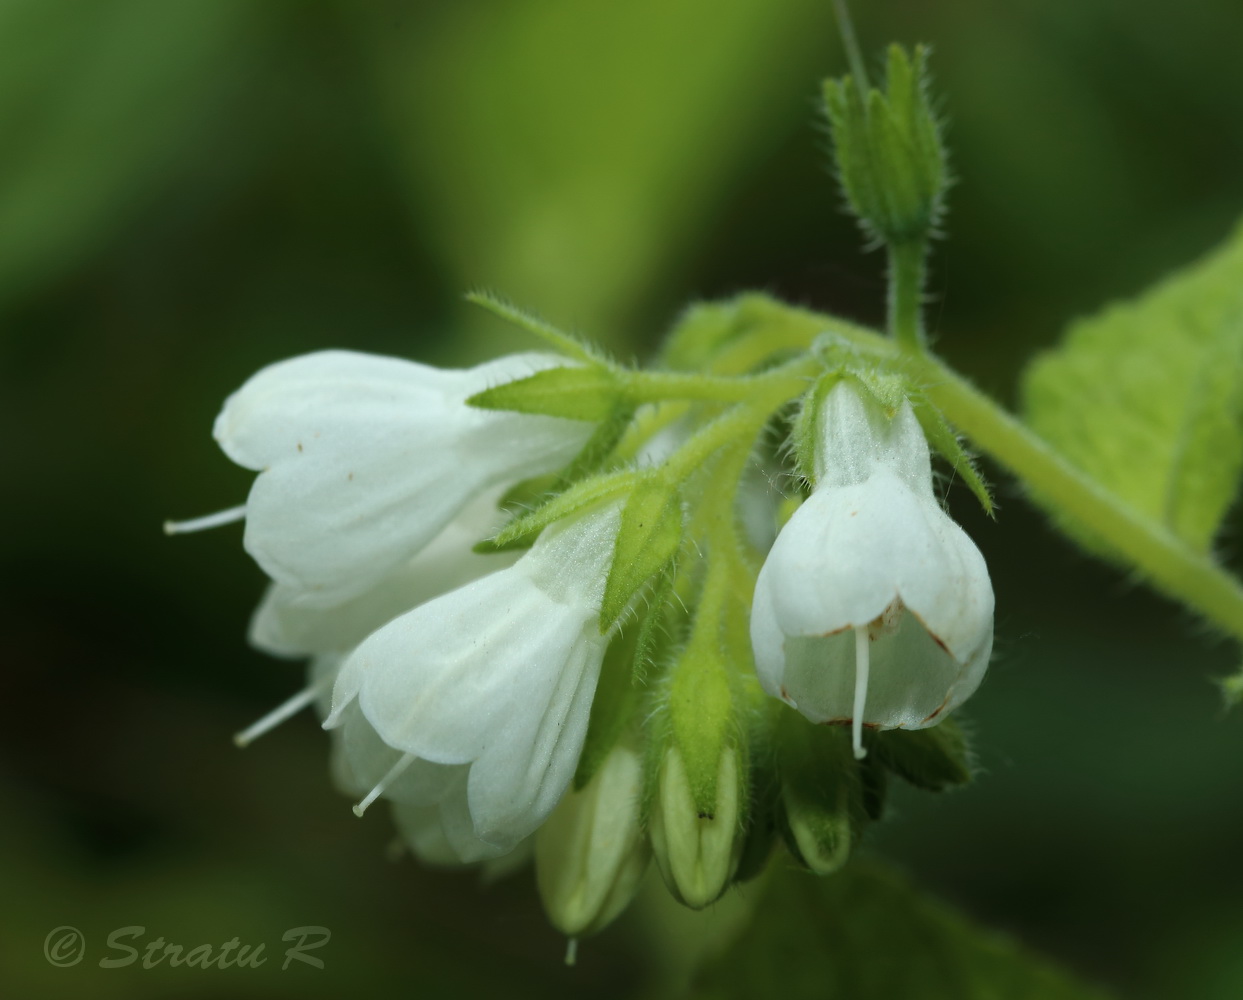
pixel 888 150
pixel 821 792
pixel 696 849
pixel 591 853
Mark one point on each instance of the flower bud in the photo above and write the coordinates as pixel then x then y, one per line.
pixel 697 847
pixel 888 149
pixel 820 791
pixel 591 853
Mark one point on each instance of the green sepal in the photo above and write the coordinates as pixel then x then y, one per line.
pixel 522 530
pixel 647 541
pixel 613 708
pixel 762 827
pixel 530 494
pixel 600 446
pixel 935 759
pixel 563 342
pixel 588 392
pixel 803 433
pixel 652 628
pixel 888 389
pixel 942 438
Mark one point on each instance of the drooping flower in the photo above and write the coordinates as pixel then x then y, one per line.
pixel 492 683
pixel 363 460
pixel 873 607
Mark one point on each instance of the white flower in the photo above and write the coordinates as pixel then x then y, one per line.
pixel 492 684
pixel 872 607
pixel 363 460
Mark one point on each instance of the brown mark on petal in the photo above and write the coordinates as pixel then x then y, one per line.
pixel 887 621
pixel 940 708
pixel 299 446
pixel 847 722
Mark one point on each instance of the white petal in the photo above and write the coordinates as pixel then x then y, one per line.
pixel 472 667
pixel 848 555
pixel 286 624
pixel 840 559
pixel 443 834
pixel 514 786
pixel 364 459
pixel 910 677
pixel 370 760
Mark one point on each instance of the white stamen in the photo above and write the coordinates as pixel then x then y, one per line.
pixel 394 773
pixel 203 523
pixel 862 650
pixel 571 951
pixel 280 713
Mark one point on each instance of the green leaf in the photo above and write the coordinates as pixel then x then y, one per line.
pixel 589 393
pixel 648 539
pixel 1147 396
pixel 865 934
pixel 935 758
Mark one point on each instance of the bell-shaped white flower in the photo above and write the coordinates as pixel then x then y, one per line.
pixel 495 679
pixel 363 460
pixel 872 607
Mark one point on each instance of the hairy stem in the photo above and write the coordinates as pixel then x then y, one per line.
pixel 906 290
pixel 1170 564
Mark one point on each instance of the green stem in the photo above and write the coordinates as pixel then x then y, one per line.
pixel 906 290
pixel 1171 565
pixel 655 387
pixel 850 43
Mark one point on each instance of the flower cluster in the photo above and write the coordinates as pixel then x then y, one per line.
pixel 545 602
pixel 610 617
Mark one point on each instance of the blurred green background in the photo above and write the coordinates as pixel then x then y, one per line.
pixel 192 189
